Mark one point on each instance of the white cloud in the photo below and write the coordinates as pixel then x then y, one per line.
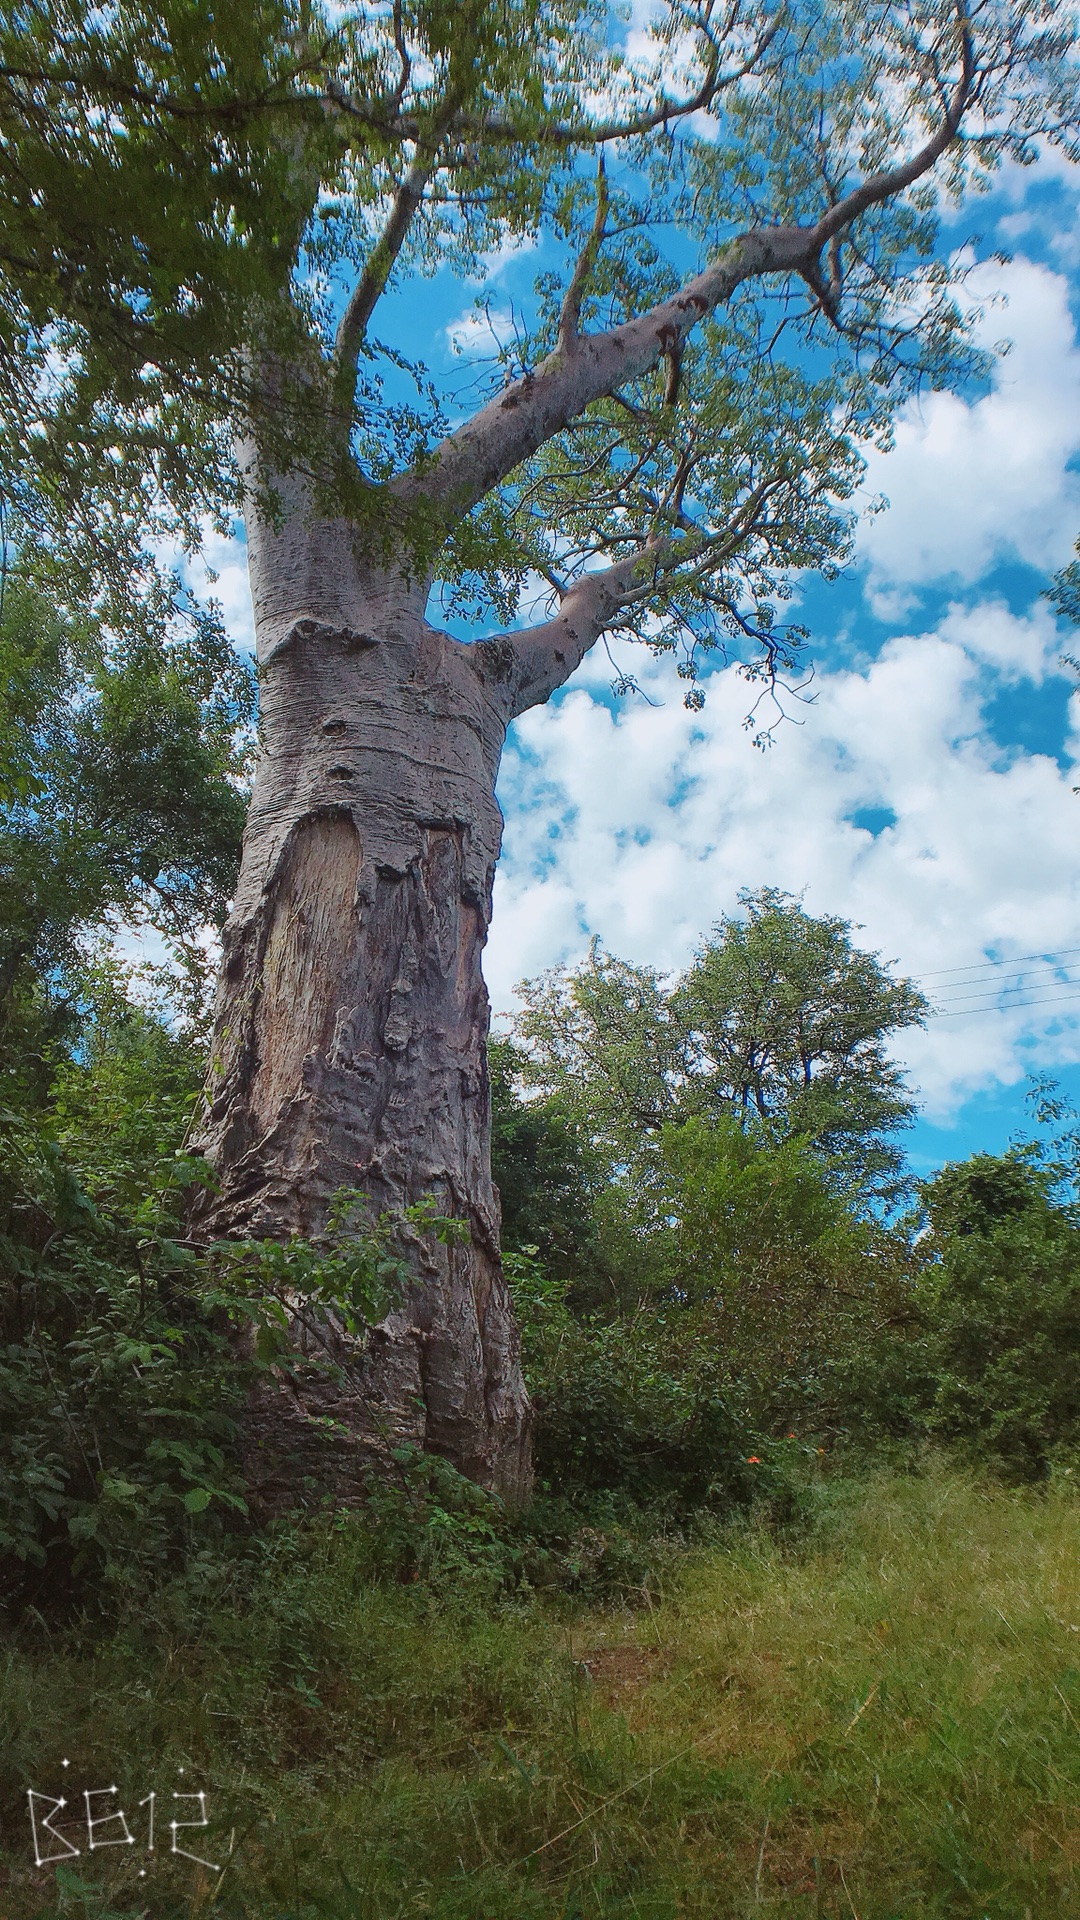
pixel 971 484
pixel 481 331
pixel 1016 648
pixel 227 559
pixel 642 825
pixel 512 247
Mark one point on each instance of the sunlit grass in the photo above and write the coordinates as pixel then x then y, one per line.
pixel 880 1720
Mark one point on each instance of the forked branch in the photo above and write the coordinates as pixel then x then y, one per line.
pixel 571 307
pixel 480 454
pixel 546 655
pixel 368 290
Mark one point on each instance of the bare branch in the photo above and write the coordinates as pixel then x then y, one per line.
pixel 582 133
pixel 531 411
pixel 571 307
pixel 545 656
pixel 406 206
pixel 885 185
pixel 371 283
pixel 530 665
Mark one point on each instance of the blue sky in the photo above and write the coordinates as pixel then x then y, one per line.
pixel 926 792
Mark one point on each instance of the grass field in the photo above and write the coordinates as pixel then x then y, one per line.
pixel 878 1719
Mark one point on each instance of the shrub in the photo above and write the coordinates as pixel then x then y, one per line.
pixel 1001 1299
pixel 118 1394
pixel 640 1406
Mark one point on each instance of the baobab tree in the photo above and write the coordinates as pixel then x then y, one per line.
pixel 742 276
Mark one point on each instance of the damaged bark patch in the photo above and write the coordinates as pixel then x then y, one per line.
pixel 309 940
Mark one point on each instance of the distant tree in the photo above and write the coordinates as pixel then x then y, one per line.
pixel 781 1023
pixel 120 793
pixel 788 1024
pixel 1001 1305
pixel 547 1180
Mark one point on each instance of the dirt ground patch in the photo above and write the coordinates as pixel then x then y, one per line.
pixel 619 1673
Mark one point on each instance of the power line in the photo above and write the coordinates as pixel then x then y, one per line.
pixel 993 995
pixel 963 997
pixel 1016 960
pixel 963 1013
pixel 1023 977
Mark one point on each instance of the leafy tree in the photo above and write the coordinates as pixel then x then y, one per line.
pixel 120 795
pixel 547 1188
pixel 677 436
pixel 789 1023
pixel 780 1024
pixel 602 1045
pixel 1002 1304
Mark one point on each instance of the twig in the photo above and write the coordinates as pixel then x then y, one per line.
pixel 610 1802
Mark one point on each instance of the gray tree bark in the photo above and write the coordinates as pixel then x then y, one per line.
pixel 352 1017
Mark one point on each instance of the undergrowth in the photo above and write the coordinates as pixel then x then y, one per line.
pixel 876 1713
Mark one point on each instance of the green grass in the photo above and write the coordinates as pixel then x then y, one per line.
pixel 880 1720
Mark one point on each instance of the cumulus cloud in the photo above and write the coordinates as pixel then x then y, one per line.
pixel 219 572
pixel 974 483
pixel 642 823
pixel 512 248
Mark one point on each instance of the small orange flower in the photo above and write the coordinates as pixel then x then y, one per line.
pixel 752 1460
pixel 791 1436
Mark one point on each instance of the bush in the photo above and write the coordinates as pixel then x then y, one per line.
pixel 118 1394
pixel 123 1381
pixel 1001 1302
pixel 640 1406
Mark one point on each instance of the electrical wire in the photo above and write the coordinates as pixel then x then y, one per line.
pixel 991 996
pixel 1017 960
pixel 961 1013
pixel 967 992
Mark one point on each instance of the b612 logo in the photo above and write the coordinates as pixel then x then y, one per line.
pixel 57 1821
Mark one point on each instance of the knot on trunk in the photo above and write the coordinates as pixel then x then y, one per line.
pixel 309 633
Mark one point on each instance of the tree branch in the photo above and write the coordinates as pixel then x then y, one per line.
pixel 543 657
pixel 368 289
pixel 478 455
pixel 883 186
pixel 571 307
pixel 581 133
pixel 474 458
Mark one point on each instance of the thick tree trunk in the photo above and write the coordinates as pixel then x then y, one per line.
pixel 352 1018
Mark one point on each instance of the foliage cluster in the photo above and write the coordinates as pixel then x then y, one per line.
pixel 738 1274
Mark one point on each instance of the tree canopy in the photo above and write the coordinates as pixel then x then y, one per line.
pixel 726 311
pixel 781 1025
pixel 121 798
